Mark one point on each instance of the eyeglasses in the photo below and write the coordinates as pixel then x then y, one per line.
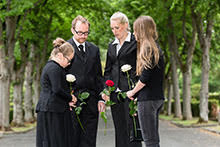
pixel 68 60
pixel 81 33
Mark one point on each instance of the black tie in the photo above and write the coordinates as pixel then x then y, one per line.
pixel 81 50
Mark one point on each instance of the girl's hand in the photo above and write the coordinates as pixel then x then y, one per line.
pixel 74 99
pixel 130 94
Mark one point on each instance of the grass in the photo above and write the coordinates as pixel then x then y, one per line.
pixel 25 128
pixel 215 128
pixel 187 123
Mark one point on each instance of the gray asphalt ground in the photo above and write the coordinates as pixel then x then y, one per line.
pixel 171 136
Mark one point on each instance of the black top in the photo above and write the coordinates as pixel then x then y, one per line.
pixel 126 55
pixel 55 93
pixel 153 78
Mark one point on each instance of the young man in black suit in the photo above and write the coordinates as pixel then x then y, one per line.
pixel 86 67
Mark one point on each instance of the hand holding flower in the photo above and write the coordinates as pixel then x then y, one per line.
pixel 105 97
pixel 82 96
pixel 107 91
pixel 101 106
pixel 130 94
pixel 74 99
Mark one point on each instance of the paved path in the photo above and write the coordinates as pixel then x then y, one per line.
pixel 171 136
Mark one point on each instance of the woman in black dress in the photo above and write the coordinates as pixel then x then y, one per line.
pixel 121 51
pixel 150 68
pixel 54 126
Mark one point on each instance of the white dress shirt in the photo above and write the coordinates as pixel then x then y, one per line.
pixel 77 44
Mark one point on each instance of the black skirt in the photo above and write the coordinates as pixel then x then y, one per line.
pixel 54 129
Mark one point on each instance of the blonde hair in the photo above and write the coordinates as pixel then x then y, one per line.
pixel 61 46
pixel 121 17
pixel 81 19
pixel 147 50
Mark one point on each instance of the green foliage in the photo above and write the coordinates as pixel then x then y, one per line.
pixel 109 103
pixel 195 91
pixel 83 96
pixel 17 53
pixel 104 117
pixel 195 106
pixel 133 107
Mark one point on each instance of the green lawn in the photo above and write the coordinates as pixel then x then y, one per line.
pixel 26 127
pixel 187 123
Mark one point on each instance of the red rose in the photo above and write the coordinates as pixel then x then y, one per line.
pixel 109 83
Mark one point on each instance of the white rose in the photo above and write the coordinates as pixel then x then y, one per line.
pixel 70 78
pixel 126 68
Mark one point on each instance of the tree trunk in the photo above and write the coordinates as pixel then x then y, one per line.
pixel 36 83
pixel 169 103
pixel 17 107
pixel 173 47
pixel 18 79
pixel 6 66
pixel 187 67
pixel 28 101
pixel 175 80
pixel 4 95
pixel 204 41
pixel 187 113
pixel 204 92
pixel 4 85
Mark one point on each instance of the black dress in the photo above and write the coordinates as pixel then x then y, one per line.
pixel 54 126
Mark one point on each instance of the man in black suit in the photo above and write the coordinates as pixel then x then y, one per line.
pixel 86 66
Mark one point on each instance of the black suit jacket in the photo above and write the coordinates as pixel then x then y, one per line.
pixel 88 71
pixel 55 93
pixel 126 55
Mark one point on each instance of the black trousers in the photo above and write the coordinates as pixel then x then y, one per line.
pixel 122 122
pixel 89 120
pixel 148 112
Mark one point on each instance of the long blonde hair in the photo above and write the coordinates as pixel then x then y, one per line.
pixel 147 50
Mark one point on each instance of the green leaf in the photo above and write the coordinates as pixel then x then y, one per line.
pixel 83 103
pixel 106 92
pixel 82 96
pixel 104 117
pixel 123 94
pixel 109 103
pixel 85 95
pixel 78 110
pixel 111 89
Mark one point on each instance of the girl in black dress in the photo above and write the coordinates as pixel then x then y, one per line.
pixel 150 68
pixel 54 127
